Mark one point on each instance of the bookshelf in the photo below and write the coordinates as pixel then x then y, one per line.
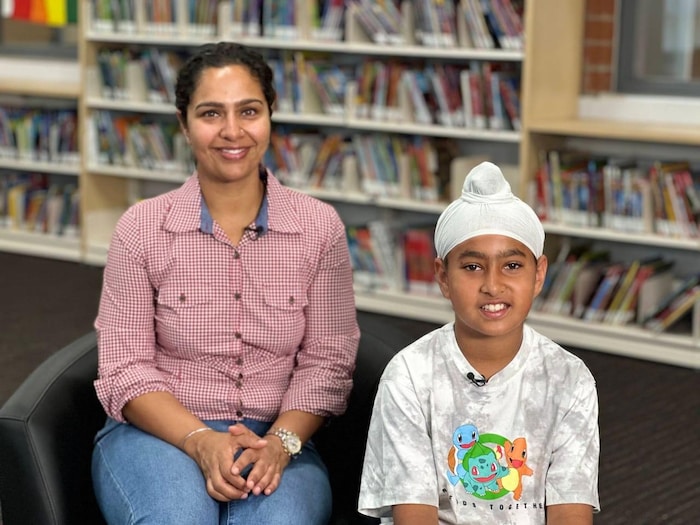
pixel 37 86
pixel 550 107
pixel 108 189
pixel 551 73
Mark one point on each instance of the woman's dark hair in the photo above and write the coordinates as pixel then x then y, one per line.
pixel 216 55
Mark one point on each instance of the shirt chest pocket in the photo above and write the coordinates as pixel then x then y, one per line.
pixel 285 298
pixel 183 312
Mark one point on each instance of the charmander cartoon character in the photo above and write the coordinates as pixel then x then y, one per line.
pixel 482 470
pixel 516 457
pixel 463 439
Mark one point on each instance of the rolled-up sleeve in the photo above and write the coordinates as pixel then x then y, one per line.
pixel 322 377
pixel 125 325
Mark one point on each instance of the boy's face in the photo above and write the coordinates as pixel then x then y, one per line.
pixel 491 281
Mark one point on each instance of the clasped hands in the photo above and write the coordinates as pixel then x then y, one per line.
pixel 214 452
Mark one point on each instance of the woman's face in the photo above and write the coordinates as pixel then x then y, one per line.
pixel 228 124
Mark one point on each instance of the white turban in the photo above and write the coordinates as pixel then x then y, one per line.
pixel 487 207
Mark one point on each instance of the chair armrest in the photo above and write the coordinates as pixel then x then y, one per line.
pixel 46 432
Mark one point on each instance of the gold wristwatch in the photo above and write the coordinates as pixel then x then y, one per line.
pixel 291 442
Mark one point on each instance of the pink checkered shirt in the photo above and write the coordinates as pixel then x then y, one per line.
pixel 234 332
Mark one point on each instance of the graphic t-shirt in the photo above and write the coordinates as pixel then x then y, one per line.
pixel 497 453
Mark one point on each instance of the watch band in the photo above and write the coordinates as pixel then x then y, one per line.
pixel 291 442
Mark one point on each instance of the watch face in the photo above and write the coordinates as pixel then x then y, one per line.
pixel 293 444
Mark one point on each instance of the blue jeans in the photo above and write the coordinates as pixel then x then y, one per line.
pixel 141 479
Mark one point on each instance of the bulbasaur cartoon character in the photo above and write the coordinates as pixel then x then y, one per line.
pixel 463 439
pixel 481 470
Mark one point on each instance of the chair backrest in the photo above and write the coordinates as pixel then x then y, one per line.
pixel 46 432
pixel 342 442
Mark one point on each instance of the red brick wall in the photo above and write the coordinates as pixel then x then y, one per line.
pixel 598 46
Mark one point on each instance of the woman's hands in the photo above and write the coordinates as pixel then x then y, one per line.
pixel 267 463
pixel 214 452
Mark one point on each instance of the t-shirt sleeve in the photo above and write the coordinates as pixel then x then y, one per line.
pixel 572 476
pixel 399 466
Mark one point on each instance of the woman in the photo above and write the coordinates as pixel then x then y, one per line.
pixel 226 328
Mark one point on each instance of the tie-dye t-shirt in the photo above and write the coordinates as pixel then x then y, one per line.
pixel 497 453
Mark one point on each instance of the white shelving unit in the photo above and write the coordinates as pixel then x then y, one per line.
pixel 550 105
pixel 107 187
pixel 551 67
pixel 35 78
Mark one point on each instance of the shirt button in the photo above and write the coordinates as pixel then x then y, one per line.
pixel 236 255
pixel 240 376
pixel 239 361
pixel 237 296
pixel 182 298
pixel 239 384
pixel 291 300
pixel 239 413
pixel 237 335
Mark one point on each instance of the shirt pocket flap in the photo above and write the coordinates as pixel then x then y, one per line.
pixel 285 298
pixel 179 296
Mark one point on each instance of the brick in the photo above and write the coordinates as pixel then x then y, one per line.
pixel 595 54
pixel 597 82
pixel 601 30
pixel 600 7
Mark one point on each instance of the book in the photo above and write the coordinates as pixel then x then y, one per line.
pixel 477 92
pixel 585 286
pixel 330 146
pixel 604 293
pixel 510 95
pixel 387 254
pixel 681 305
pixel 419 260
pixel 476 24
pixel 625 283
pixel 556 263
pixel 686 284
pixel 365 269
pixel 626 311
pixel 652 292
pixel 663 194
pixel 558 298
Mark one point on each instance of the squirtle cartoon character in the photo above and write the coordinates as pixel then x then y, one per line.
pixel 463 439
pixel 482 470
pixel 516 457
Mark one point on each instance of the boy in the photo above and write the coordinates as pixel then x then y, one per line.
pixel 484 420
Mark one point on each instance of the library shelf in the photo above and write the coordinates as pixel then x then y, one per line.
pixel 347 48
pixel 173 174
pixel 606 234
pixel 412 306
pixel 665 348
pixel 551 106
pixel 434 130
pixel 40 244
pixel 356 197
pixel 40 77
pixel 54 168
pixel 551 66
pixel 616 130
pixel 628 341
pixel 135 106
pixel 35 82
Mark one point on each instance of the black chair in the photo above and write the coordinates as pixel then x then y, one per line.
pixel 48 424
